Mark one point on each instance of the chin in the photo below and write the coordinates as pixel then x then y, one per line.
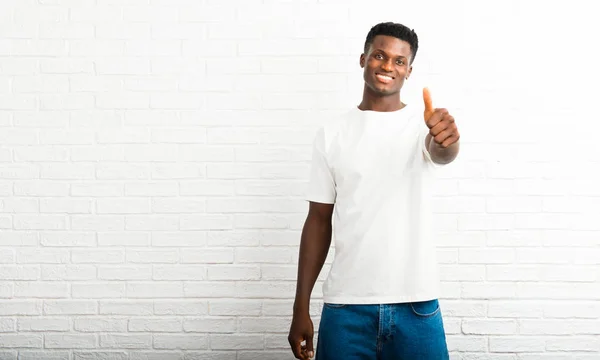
pixel 384 90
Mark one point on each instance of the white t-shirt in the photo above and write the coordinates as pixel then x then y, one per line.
pixel 375 168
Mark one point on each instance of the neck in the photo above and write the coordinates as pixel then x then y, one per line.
pixel 380 103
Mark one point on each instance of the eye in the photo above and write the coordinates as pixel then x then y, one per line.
pixel 378 56
pixel 400 62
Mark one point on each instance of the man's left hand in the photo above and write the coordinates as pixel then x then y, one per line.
pixel 442 127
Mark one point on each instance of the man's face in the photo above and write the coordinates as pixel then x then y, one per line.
pixel 386 65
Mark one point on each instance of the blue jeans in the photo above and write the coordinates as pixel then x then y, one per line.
pixel 405 331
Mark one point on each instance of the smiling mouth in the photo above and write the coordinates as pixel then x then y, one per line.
pixel 384 78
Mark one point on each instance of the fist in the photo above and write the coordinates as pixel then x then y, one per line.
pixel 442 127
pixel 301 331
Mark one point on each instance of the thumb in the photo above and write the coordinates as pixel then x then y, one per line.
pixel 309 346
pixel 428 103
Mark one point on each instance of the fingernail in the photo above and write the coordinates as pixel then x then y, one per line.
pixel 311 354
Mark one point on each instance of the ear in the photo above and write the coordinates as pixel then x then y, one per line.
pixel 409 72
pixel 362 60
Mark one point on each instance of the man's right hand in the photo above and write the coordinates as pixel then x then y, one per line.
pixel 314 246
pixel 302 330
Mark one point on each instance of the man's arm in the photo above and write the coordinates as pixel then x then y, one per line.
pixel 314 246
pixel 440 154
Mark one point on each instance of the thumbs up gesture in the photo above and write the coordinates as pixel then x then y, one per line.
pixel 442 127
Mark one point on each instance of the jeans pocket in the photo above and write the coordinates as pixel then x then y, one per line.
pixel 427 308
pixel 334 306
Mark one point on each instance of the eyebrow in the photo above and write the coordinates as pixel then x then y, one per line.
pixel 380 50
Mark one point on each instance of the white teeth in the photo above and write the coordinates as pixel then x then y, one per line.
pixel 384 77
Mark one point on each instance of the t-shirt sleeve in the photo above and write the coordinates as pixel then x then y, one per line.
pixel 426 154
pixel 321 186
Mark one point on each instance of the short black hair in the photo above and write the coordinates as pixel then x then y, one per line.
pixel 396 30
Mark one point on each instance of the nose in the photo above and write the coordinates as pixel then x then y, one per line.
pixel 387 65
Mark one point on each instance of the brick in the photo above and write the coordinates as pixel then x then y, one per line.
pixel 7 325
pixel 155 355
pixel 100 355
pixel 97 189
pixel 122 206
pixel 98 256
pixel 122 30
pixel 97 290
pixel 206 222
pixel 279 255
pixel 9 272
pixel 155 325
pixel 97 222
pixel 271 272
pixel 178 206
pixel 41 154
pixel 235 307
pixel 515 309
pixel 151 222
pixel 571 310
pixel 49 355
pixel 169 171
pixel 179 272
pixel 265 355
pixel 68 239
pixel 489 327
pixel 466 343
pixel 20 307
pixel 34 324
pixel 124 273
pixel 488 290
pixel 92 324
pixel 571 344
pixel 181 239
pixel 233 272
pixel 142 290
pixel 72 137
pixel 68 272
pixel 209 289
pixel 8 256
pixel 180 307
pixel 7 290
pixel 264 324
pixel 123 238
pixel 155 189
pixel 70 341
pixel 207 187
pixel 69 206
pixel 236 342
pixel 125 341
pixel 70 307
pixel 152 256
pixel 557 327
pixel 21 341
pixel 276 290
pixel 181 342
pixel 517 344
pixel 210 355
pixel 40 289
pixel 97 153
pixel 211 325
pixel 119 307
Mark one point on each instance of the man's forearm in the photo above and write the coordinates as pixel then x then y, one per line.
pixel 314 246
pixel 439 154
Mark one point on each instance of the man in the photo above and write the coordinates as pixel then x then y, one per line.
pixel 373 165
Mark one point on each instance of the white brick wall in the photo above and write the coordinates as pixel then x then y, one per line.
pixel 154 155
